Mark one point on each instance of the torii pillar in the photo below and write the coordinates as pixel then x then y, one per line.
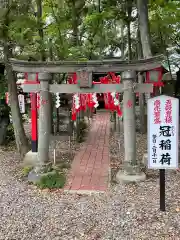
pixel 44 128
pixel 44 120
pixel 131 169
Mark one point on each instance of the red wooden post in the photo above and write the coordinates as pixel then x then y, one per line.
pixel 34 114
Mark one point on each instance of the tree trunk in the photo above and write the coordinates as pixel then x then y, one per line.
pixel 129 11
pixel 142 6
pixel 40 29
pixel 21 139
pixel 143 123
pixel 129 42
pixel 122 41
pixel 50 94
pixel 141 95
pixel 75 23
pixel 139 45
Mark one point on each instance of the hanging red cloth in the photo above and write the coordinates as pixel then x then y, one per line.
pixel 86 99
pixel 115 80
pixel 74 112
pixel 72 79
pixel 111 78
pixel 104 80
pixel 83 101
pixel 90 102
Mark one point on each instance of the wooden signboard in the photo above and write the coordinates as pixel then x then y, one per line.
pixel 84 78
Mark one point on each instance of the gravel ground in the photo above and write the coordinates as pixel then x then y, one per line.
pixel 126 212
pixel 117 148
pixel 64 150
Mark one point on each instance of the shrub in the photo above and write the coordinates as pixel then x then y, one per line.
pixel 82 126
pixel 10 133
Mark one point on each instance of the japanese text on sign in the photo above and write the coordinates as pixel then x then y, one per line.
pixel 168 111
pixel 157 111
pixel 163 132
pixel 21 103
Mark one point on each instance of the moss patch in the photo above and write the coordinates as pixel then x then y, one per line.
pixel 52 180
pixel 26 170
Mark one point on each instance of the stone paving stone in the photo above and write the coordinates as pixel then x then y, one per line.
pixel 90 167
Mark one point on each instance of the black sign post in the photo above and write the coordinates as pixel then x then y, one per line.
pixel 162 189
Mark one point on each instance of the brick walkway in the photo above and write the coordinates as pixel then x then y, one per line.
pixel 91 165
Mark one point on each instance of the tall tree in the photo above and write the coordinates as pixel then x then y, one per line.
pixel 21 140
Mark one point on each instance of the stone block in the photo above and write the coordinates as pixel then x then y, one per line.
pixel 30 159
pixel 122 177
pixel 35 177
pixel 145 160
pixel 149 172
